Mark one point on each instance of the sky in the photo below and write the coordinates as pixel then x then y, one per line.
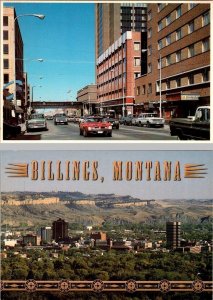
pixel 65 40
pixel 185 189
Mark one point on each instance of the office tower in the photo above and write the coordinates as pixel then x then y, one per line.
pixel 46 234
pixel 114 19
pixel 60 230
pixel 178 60
pixel 173 234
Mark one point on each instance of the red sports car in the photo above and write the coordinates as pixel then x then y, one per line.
pixel 95 126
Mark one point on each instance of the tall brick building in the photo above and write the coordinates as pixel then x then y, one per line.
pixel 117 69
pixel 12 58
pixel 178 45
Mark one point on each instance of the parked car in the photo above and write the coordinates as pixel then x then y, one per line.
pixel 95 126
pixel 195 127
pixel 113 122
pixel 60 119
pixel 126 120
pixel 149 120
pixel 36 121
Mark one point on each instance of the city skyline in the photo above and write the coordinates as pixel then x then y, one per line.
pixel 199 188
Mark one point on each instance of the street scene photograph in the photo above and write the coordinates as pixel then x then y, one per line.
pixel 105 71
pixel 114 225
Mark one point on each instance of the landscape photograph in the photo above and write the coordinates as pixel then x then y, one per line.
pixel 79 226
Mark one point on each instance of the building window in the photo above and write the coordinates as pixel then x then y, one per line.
pixel 149 32
pixel 149 91
pixel 191 79
pixel 168 40
pixel 161 6
pixel 205 75
pixel 160 44
pixel 5 48
pixel 168 20
pixel 5 21
pixel 168 60
pixel 138 90
pixel 160 25
pixel 136 46
pixel 205 45
pixel 159 63
pixel 178 12
pixel 206 19
pixel 178 34
pixel 178 56
pixel 168 84
pixel 5 35
pixel 149 15
pixel 137 61
pixel 178 82
pixel 191 51
pixel 6 78
pixel 136 75
pixel 6 63
pixel 191 27
pixel 149 69
pixel 192 5
pixel 143 90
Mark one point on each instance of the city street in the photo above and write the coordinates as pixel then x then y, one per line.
pixel 71 132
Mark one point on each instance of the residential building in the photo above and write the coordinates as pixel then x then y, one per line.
pixel 116 71
pixel 99 236
pixel 12 63
pixel 173 234
pixel 114 19
pixel 88 96
pixel 60 230
pixel 31 240
pixel 178 49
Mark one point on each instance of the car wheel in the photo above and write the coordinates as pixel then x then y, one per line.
pixel 117 127
pixel 81 132
pixel 110 134
pixel 148 124
pixel 140 124
pixel 85 134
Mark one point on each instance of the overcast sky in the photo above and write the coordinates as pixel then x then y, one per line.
pixel 186 188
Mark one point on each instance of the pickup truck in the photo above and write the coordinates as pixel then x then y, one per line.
pixel 194 127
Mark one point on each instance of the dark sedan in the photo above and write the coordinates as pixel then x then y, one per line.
pixel 113 122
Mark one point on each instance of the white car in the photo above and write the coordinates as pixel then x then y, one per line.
pixel 149 120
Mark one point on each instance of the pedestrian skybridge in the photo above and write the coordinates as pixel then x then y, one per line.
pixel 59 104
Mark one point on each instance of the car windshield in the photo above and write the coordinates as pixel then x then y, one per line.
pixel 90 120
pixel 60 115
pixel 37 116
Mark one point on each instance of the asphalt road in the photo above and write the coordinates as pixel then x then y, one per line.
pixel 71 132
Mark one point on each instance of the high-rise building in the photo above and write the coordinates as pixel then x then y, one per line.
pixel 178 61
pixel 114 19
pixel 173 234
pixel 120 36
pixel 60 230
pixel 12 60
pixel 46 234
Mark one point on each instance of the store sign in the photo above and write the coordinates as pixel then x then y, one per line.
pixel 190 97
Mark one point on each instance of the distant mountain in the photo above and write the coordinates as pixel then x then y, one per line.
pixel 96 209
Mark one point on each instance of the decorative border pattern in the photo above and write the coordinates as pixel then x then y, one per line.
pixel 98 286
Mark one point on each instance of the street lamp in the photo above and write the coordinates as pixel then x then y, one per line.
pixel 160 79
pixel 39 16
